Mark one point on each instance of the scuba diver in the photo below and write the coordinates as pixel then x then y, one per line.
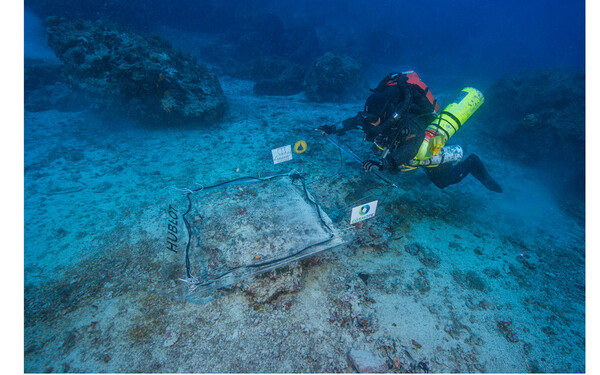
pixel 400 118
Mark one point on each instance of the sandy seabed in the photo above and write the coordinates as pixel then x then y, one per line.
pixel 453 280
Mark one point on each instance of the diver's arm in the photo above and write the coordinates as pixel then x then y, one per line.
pixel 351 123
pixel 341 127
pixel 392 160
pixel 401 155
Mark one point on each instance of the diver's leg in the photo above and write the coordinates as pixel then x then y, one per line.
pixel 442 175
pixel 448 174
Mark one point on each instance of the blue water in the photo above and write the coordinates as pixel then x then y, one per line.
pixel 459 279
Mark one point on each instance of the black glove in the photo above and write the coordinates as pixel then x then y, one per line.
pixel 372 165
pixel 327 129
pixel 370 137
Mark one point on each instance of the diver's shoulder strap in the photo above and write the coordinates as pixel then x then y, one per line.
pixel 414 80
pixel 391 79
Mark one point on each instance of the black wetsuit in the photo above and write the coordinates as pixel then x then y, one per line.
pixel 402 131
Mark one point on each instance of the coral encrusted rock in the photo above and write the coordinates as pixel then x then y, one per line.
pixel 335 78
pixel 142 77
pixel 539 112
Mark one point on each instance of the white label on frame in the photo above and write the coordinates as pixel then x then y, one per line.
pixel 282 154
pixel 364 212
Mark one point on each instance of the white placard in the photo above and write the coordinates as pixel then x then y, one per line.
pixel 364 212
pixel 282 154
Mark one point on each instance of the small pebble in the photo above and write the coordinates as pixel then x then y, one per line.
pixel 367 362
pixel 416 344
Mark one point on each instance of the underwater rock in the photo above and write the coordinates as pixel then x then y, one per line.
pixel 301 44
pixel 54 97
pixel 248 38
pixel 45 90
pixel 366 362
pixel 455 328
pixel 254 35
pixel 364 276
pixel 492 273
pixel 421 284
pixel 469 280
pixel 290 82
pixel 268 68
pixel 41 74
pixel 264 39
pixel 352 309
pixel 335 78
pixel 413 248
pixel 547 105
pixel 141 77
pixel 504 326
pixel 425 255
pixel 539 117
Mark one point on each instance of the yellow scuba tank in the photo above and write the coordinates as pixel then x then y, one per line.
pixel 451 119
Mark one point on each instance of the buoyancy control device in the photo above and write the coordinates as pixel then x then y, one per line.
pixel 412 78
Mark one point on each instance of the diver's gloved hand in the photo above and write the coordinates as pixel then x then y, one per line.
pixel 436 143
pixel 327 129
pixel 372 165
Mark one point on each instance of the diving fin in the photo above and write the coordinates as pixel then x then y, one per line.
pixel 480 173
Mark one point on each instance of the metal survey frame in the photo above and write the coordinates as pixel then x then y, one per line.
pixel 357 159
pixel 242 272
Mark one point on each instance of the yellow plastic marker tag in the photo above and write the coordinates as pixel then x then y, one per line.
pixel 300 147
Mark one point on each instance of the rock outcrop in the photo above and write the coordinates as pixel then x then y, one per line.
pixel 276 76
pixel 538 117
pixel 142 77
pixel 335 78
pixel 538 113
pixel 44 89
